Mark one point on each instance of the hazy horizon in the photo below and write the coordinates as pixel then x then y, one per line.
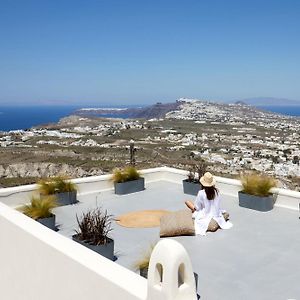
pixel 139 53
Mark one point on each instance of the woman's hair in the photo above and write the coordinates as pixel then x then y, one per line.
pixel 211 192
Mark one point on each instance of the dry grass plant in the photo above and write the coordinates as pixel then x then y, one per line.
pixel 127 174
pixel 55 185
pixel 39 208
pixel 257 185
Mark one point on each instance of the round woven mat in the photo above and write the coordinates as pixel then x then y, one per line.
pixel 141 219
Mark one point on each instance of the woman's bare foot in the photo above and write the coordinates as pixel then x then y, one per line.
pixel 190 205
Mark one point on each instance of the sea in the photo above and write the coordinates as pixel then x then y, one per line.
pixel 15 118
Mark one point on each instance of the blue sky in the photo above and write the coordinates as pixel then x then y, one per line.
pixel 127 52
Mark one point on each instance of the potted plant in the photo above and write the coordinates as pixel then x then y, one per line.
pixel 93 233
pixel 191 184
pixel 64 190
pixel 41 210
pixel 127 180
pixel 256 192
pixel 143 266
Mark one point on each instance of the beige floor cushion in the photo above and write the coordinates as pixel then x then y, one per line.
pixel 177 223
pixel 181 223
pixel 214 226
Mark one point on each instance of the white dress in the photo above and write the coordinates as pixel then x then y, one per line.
pixel 207 210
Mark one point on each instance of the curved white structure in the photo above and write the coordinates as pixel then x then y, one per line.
pixel 170 264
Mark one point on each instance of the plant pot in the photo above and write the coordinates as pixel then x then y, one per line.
pixel 48 222
pixel 256 202
pixel 122 188
pixel 144 273
pixel 191 188
pixel 106 250
pixel 66 198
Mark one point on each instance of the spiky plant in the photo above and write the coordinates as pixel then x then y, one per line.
pixel 191 175
pixel 63 185
pixel 40 208
pixel 118 176
pixel 54 185
pixel 94 227
pixel 127 174
pixel 257 185
pixel 200 168
pixel 46 187
pixel 131 173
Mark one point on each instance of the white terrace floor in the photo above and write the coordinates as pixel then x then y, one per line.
pixel 259 258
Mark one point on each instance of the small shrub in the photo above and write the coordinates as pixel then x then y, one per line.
pixel 196 171
pixel 257 185
pixel 200 168
pixel 39 208
pixel 46 187
pixel 127 174
pixel 118 176
pixel 94 227
pixel 191 176
pixel 63 185
pixel 132 173
pixel 55 185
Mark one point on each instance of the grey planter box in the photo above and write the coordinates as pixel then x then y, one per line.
pixel 256 202
pixel 128 187
pixel 66 198
pixel 144 273
pixel 106 250
pixel 191 188
pixel 48 222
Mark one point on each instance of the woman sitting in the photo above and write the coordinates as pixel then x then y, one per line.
pixel 207 206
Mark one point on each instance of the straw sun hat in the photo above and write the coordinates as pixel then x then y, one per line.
pixel 207 179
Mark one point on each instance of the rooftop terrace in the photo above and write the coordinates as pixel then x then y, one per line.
pixel 256 259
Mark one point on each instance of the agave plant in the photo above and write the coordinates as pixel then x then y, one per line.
pixel 94 227
pixel 40 208
pixel 257 185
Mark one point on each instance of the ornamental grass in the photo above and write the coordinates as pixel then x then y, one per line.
pixel 127 174
pixel 39 208
pixel 55 185
pixel 257 185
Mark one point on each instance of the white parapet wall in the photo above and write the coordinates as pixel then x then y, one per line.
pixel 38 263
pixel 17 196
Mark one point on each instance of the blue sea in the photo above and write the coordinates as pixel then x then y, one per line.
pixel 285 110
pixel 13 118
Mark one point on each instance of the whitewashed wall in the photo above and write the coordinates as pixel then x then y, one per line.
pixel 40 264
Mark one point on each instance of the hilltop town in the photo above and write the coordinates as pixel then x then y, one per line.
pixel 230 138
